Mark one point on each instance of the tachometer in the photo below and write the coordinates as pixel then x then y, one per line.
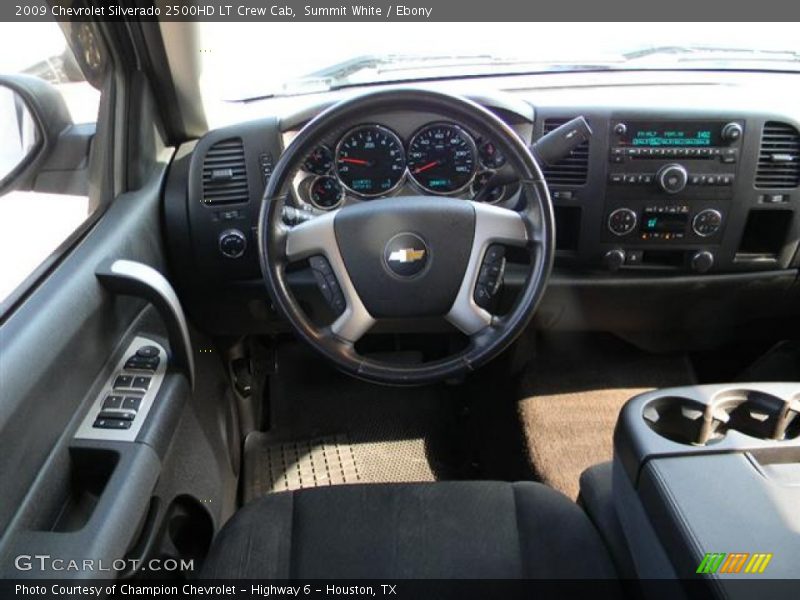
pixel 441 158
pixel 370 160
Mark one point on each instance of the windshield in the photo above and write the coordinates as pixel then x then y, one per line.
pixel 254 60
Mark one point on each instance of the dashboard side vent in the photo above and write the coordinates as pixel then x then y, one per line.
pixel 573 169
pixel 225 174
pixel 778 157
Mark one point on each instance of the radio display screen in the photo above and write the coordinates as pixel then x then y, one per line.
pixel 659 134
pixel 664 222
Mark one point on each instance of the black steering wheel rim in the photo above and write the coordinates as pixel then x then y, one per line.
pixel 537 216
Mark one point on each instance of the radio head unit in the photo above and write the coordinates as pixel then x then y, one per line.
pixel 661 134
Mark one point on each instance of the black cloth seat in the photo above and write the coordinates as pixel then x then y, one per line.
pixel 415 530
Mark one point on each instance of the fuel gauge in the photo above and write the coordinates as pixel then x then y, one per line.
pixel 325 192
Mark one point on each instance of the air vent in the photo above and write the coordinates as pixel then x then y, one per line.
pixel 573 169
pixel 779 157
pixel 225 174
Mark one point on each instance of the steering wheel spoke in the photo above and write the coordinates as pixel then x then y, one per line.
pixel 493 226
pixel 316 239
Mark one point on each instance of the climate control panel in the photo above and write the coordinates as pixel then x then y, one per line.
pixel 664 223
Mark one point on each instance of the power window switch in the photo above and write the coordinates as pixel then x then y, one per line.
pixel 123 381
pixel 140 383
pixel 112 402
pixel 131 403
pixel 111 424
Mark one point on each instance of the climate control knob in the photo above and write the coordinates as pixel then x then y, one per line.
pixel 702 261
pixel 707 222
pixel 672 178
pixel 621 221
pixel 232 243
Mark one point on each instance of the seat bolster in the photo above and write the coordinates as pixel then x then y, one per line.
pixel 256 543
pixel 557 540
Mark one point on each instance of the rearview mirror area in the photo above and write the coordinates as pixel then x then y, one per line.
pixel 20 135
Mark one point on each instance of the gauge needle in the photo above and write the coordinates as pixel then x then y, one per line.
pixel 355 161
pixel 430 165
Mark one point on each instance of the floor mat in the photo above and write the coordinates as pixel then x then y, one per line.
pixel 332 460
pixel 572 396
pixel 327 428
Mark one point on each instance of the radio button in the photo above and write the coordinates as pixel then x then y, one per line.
pixel 616 178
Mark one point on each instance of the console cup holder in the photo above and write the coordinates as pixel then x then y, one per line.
pixel 682 420
pixel 750 412
pixel 757 414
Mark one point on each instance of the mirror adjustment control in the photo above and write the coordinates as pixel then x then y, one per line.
pixel 327 283
pixel 137 363
pixel 490 276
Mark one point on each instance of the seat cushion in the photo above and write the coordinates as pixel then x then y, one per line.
pixel 434 530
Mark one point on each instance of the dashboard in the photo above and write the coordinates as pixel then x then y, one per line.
pixel 685 190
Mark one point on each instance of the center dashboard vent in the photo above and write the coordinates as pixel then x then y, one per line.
pixel 571 170
pixel 778 157
pixel 225 174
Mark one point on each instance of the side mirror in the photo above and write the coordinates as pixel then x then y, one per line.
pixel 20 135
pixel 39 145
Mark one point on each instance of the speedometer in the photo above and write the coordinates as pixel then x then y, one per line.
pixel 441 158
pixel 370 160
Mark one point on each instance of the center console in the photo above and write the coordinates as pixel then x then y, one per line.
pixel 707 484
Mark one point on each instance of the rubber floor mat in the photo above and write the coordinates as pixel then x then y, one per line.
pixel 329 460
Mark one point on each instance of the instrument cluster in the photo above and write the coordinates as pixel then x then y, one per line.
pixel 371 161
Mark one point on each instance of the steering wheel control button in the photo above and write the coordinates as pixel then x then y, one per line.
pixel 622 221
pixel 131 403
pixel 112 402
pixel 406 255
pixel 232 243
pixel 490 276
pixel 327 283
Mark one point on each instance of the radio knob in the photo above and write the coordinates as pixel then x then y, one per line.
pixel 232 243
pixel 614 259
pixel 672 178
pixel 622 221
pixel 732 132
pixel 620 129
pixel 702 261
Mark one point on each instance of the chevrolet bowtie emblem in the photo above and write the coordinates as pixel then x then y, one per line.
pixel 406 255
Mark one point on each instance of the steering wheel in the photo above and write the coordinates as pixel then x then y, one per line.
pixel 410 256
